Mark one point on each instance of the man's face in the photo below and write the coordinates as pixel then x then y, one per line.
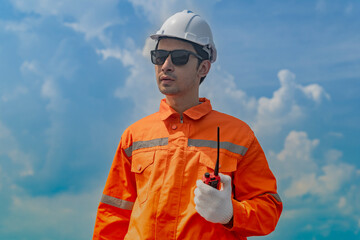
pixel 177 80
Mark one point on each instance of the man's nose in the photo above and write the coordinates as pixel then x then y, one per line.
pixel 168 65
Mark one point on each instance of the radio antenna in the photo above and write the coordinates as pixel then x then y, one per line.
pixel 216 172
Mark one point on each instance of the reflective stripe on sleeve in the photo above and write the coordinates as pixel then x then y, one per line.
pixel 116 202
pixel 231 147
pixel 276 196
pixel 128 151
pixel 146 144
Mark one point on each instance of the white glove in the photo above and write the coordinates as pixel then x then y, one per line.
pixel 214 205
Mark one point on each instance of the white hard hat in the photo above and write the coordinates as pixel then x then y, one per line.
pixel 191 27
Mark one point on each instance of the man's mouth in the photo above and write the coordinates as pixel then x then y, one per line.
pixel 166 79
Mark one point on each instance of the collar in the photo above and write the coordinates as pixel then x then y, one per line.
pixel 194 113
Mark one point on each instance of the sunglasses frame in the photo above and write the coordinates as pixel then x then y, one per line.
pixel 173 59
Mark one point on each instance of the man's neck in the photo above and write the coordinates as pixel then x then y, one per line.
pixel 182 104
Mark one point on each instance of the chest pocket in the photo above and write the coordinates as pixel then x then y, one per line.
pixel 228 164
pixel 142 165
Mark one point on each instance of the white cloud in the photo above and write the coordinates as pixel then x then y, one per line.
pixel 50 90
pixel 273 113
pixel 267 116
pixel 20 165
pixel 333 156
pixel 139 85
pixel 58 217
pixel 91 18
pixel 86 26
pixel 110 53
pixel 221 88
pixel 158 11
pixel 16 92
pixel 315 92
pixel 19 26
pixel 332 178
pixel 23 159
pixel 125 55
pixel 321 188
pixel 296 159
pixel 349 203
pixel 300 173
pixel 284 107
pixel 336 134
pixel 29 66
pixel 44 7
pixel 24 29
pixel 301 186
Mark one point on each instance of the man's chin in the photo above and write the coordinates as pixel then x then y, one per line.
pixel 167 93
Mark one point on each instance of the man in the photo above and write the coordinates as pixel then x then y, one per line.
pixel 154 189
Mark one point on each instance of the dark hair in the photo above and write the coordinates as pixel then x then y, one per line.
pixel 198 49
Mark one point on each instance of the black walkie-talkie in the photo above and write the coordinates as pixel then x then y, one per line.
pixel 213 179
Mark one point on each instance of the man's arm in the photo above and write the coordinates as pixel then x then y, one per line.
pixel 119 195
pixel 257 206
pixel 254 208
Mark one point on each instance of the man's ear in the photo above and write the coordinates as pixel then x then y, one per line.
pixel 204 68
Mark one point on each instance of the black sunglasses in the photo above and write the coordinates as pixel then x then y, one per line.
pixel 178 57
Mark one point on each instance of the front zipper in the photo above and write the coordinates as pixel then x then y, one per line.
pixel 181 118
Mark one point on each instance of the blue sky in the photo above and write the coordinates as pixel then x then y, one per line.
pixel 75 74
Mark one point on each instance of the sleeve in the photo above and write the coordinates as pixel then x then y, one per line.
pixel 257 206
pixel 113 214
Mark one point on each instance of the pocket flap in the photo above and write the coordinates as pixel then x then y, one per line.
pixel 227 163
pixel 141 160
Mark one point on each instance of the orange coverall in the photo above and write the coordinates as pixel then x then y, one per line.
pixel 149 193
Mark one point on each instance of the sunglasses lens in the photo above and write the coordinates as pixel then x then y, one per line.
pixel 180 57
pixel 158 57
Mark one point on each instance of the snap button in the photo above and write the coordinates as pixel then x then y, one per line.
pixel 174 127
pixel 139 167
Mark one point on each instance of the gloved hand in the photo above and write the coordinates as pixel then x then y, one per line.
pixel 214 205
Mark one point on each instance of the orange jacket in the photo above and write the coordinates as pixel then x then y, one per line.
pixel 149 193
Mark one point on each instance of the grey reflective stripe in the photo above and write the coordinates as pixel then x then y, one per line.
pixel 276 196
pixel 150 143
pixel 146 144
pixel 213 144
pixel 116 202
pixel 128 151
